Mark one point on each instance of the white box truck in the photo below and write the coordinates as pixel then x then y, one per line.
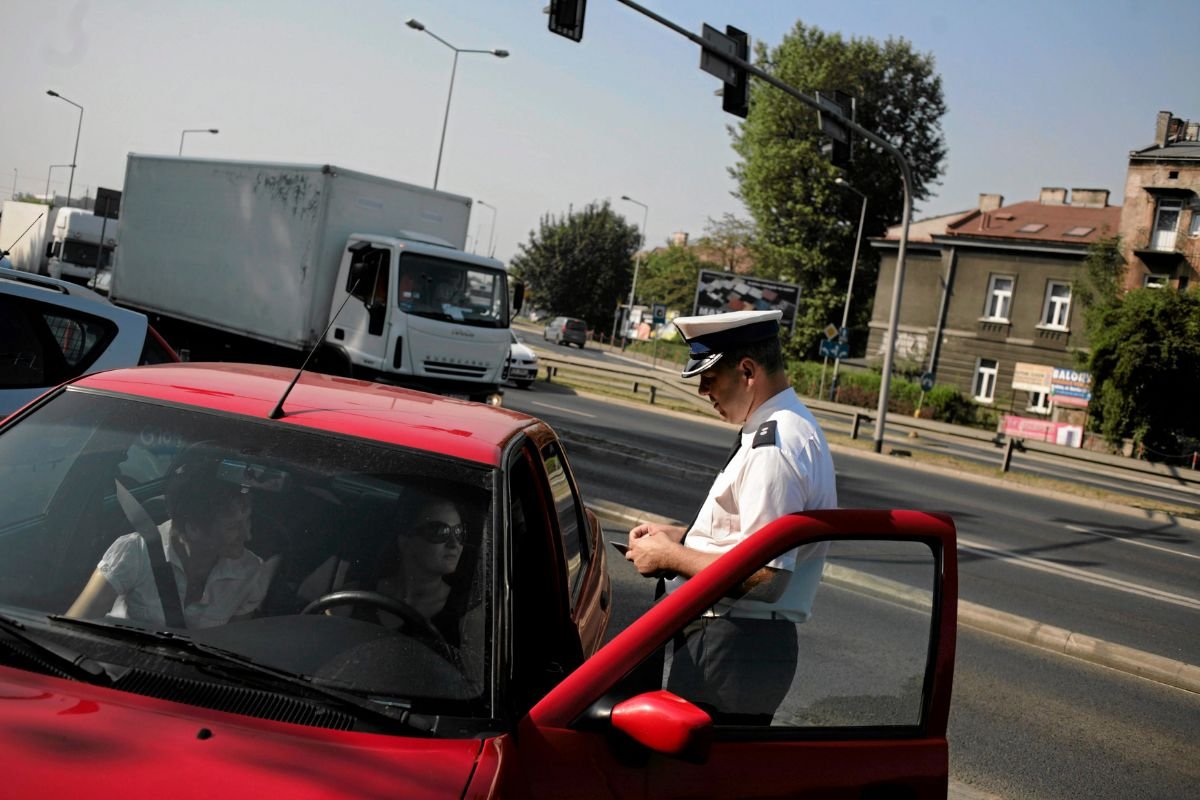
pixel 56 240
pixel 251 261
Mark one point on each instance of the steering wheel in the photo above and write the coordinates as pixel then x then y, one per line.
pixel 410 616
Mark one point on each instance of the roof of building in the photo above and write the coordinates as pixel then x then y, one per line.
pixel 1032 221
pixel 923 230
pixel 1187 151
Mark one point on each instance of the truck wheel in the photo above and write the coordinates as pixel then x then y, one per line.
pixel 332 360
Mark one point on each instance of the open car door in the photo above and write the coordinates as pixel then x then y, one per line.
pixel 866 714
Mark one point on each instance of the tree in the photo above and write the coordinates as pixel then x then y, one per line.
pixel 1145 365
pixel 805 224
pixel 727 242
pixel 669 276
pixel 580 264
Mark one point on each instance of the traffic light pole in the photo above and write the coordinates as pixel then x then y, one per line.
pixel 905 174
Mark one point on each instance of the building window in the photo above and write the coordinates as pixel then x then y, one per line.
pixel 1194 227
pixel 1057 310
pixel 1166 224
pixel 1039 403
pixel 1156 281
pixel 985 379
pixel 999 300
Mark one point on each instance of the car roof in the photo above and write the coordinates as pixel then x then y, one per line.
pixel 389 414
pixel 41 287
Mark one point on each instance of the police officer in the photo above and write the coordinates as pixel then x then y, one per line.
pixel 738 659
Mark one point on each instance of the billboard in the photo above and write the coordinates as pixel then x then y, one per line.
pixel 718 291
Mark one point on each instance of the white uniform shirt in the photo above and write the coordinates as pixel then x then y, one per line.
pixel 235 586
pixel 761 484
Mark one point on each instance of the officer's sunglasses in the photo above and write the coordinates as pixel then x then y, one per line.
pixel 441 532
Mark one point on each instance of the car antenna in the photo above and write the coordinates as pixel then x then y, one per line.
pixel 8 249
pixel 277 412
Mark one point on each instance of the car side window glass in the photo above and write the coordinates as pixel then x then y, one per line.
pixel 859 660
pixel 570 517
pixel 79 336
pixel 22 352
pixel 153 351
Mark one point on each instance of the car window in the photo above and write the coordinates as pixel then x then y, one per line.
pixel 325 515
pixel 42 344
pixel 860 660
pixel 572 527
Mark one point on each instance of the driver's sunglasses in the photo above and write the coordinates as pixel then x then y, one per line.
pixel 441 532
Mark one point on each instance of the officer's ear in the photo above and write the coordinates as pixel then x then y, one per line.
pixel 747 368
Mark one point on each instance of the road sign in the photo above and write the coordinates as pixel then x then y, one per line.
pixel 566 18
pixel 844 336
pixel 830 348
pixel 927 382
pixel 831 331
pixel 660 314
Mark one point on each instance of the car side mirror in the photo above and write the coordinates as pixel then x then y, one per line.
pixel 665 723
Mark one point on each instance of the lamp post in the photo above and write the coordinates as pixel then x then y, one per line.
pixel 862 217
pixel 637 262
pixel 193 130
pixel 492 234
pixel 48 173
pixel 78 130
pixel 417 26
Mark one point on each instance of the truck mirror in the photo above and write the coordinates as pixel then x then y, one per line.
pixel 518 296
pixel 360 278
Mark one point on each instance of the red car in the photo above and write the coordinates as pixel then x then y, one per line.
pixel 321 659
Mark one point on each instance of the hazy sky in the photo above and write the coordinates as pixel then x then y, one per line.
pixel 1046 93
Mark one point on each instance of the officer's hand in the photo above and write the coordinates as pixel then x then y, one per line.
pixel 651 554
pixel 673 532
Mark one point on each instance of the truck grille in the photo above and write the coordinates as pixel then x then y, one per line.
pixel 457 370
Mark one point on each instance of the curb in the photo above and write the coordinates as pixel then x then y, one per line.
pixel 1139 663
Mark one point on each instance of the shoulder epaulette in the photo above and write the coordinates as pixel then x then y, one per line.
pixel 765 435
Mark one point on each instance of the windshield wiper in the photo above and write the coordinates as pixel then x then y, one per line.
pixel 55 657
pixel 229 664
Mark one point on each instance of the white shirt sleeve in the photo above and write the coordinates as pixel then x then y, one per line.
pixel 768 487
pixel 125 562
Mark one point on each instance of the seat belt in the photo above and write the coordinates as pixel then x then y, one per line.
pixel 164 578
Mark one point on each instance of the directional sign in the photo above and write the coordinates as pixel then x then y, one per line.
pixel 830 348
pixel 927 382
pixel 660 314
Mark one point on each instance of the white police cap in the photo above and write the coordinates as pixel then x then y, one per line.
pixel 710 335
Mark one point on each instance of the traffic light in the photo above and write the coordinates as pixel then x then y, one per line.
pixel 566 18
pixel 836 106
pixel 736 96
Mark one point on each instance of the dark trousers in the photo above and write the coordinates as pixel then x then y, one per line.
pixel 739 670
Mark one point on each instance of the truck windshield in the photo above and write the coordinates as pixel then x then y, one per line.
pixel 438 288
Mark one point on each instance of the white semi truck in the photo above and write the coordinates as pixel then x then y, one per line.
pixel 56 240
pixel 265 262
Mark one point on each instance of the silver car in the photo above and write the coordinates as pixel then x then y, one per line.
pixel 53 330
pixel 522 363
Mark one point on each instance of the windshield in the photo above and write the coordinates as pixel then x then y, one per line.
pixel 436 288
pixel 361 566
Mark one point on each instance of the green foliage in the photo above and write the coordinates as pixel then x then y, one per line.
pixel 1099 284
pixel 579 264
pixel 669 276
pixel 1145 366
pixel 805 224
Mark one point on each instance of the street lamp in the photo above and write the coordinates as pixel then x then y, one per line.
pixel 862 217
pixel 417 26
pixel 492 235
pixel 48 172
pixel 78 130
pixel 193 130
pixel 638 261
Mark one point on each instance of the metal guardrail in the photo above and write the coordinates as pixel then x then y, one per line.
pixel 658 383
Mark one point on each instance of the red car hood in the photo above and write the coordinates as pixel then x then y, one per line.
pixel 63 739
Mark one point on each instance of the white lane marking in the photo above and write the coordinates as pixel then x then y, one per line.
pixel 1016 559
pixel 1084 529
pixel 564 410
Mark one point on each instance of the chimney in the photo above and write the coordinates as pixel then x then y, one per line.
pixel 679 239
pixel 1193 132
pixel 1089 198
pixel 1053 196
pixel 1161 124
pixel 990 202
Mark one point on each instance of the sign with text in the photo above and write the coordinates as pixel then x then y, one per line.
pixel 1071 387
pixel 718 292
pixel 1043 430
pixel 1032 377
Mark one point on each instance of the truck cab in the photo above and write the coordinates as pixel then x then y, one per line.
pixel 74 249
pixel 415 310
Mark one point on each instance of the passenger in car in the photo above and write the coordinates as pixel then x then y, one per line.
pixel 204 546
